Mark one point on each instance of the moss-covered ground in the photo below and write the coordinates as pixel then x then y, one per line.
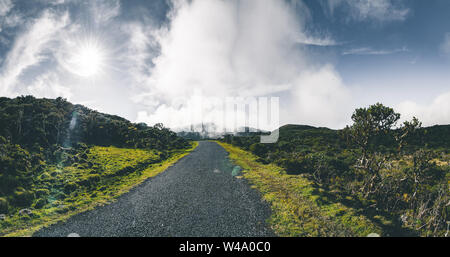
pixel 299 208
pixel 94 177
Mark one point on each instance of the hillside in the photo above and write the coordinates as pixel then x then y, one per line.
pixel 397 177
pixel 309 138
pixel 57 159
pixel 30 122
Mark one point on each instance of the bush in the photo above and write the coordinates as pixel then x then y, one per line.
pixel 42 192
pixel 298 165
pixel 4 206
pixel 90 181
pixel 22 197
pixel 40 203
pixel 70 187
pixel 258 149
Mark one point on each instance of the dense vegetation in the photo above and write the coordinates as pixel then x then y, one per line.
pixel 299 208
pixel 33 123
pixel 396 176
pixel 56 156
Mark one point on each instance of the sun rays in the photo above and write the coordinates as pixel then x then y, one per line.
pixel 84 58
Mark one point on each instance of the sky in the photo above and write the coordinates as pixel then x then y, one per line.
pixel 148 60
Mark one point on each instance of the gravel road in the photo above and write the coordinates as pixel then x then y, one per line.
pixel 198 196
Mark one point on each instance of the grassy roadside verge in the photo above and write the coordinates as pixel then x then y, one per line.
pixel 107 173
pixel 298 207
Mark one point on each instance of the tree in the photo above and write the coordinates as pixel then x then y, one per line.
pixel 369 125
pixel 408 132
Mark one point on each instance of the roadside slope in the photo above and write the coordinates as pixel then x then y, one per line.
pixel 298 208
pixel 107 173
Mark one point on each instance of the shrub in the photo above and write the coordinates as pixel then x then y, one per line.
pixel 90 181
pixel 42 192
pixel 60 196
pixel 22 197
pixel 258 149
pixel 298 165
pixel 4 206
pixel 70 187
pixel 40 203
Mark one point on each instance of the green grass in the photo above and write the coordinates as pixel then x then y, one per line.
pixel 104 174
pixel 298 207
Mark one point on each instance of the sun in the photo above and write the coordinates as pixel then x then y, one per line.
pixel 86 59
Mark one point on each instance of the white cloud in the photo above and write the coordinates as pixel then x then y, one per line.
pixel 242 48
pixel 104 10
pixel 8 18
pixel 48 85
pixel 5 7
pixel 320 99
pixel 445 46
pixel 238 49
pixel 12 20
pixel 379 10
pixel 30 49
pixel 371 51
pixel 57 2
pixel 433 113
pixel 326 41
pixel 138 52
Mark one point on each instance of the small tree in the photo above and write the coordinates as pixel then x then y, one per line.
pixel 407 133
pixel 370 126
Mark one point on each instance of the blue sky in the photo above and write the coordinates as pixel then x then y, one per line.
pixel 322 58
